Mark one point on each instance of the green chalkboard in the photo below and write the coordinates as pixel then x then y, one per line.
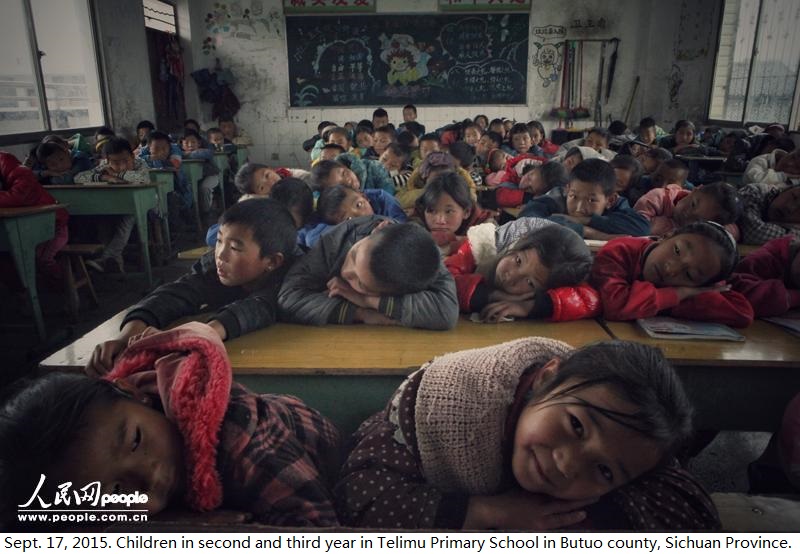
pixel 395 59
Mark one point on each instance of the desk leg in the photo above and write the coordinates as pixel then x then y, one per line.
pixel 196 201
pixel 221 186
pixel 24 256
pixel 164 220
pixel 141 225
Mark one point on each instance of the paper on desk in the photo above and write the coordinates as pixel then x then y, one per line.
pixel 789 321
pixel 475 317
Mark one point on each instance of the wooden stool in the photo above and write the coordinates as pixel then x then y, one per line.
pixel 74 263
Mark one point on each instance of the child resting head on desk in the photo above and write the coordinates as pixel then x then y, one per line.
pixel 770 277
pixel 118 165
pixel 167 422
pixel 529 267
pixel 680 275
pixel 529 434
pixel 371 270
pixel 254 179
pixel 769 212
pixel 239 280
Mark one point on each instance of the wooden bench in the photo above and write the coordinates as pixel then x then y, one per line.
pixel 194 253
pixel 74 264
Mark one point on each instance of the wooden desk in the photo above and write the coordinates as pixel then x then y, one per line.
pixel 193 169
pixel 105 199
pixel 347 372
pixel 733 385
pixel 194 253
pixel 164 179
pixel 21 229
pixel 595 245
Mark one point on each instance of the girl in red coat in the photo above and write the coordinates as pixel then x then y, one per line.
pixel 527 268
pixel 18 188
pixel 770 277
pixel 681 275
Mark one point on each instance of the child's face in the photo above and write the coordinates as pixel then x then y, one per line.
pixel 696 207
pixel 507 124
pixel 484 145
pixel 472 136
pixel 193 126
pixel 343 176
pixel 482 122
pixel 570 162
pixel 123 161
pixel 567 449
pixel 190 144
pixel 532 182
pixel 498 161
pixel 217 139
pixel 355 269
pixel 521 272
pixel 726 144
pixel 649 164
pixel 596 141
pixel 355 205
pixel 498 128
pixel 585 199
pixel 128 447
pixel 426 147
pixel 264 179
pixel 142 132
pixel 228 129
pixel 159 149
pixel 391 161
pixel 521 142
pixel 536 136
pixel 364 139
pixel 685 260
pixel 409 115
pixel 684 135
pixel 445 215
pixel 664 176
pixel 647 134
pixel 329 153
pixel 59 161
pixel 340 139
pixel 785 208
pixel 380 122
pixel 238 257
pixel 380 142
pixel 623 179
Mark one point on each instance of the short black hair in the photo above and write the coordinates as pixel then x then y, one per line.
pixel 518 129
pixel 145 124
pixel 330 202
pixel 596 171
pixel 726 245
pixel 495 121
pixel 683 124
pixel 617 127
pixel 414 127
pixel 405 138
pixel 554 174
pixel 323 169
pixel 323 124
pixel 404 259
pixel 366 123
pixel 243 180
pixel 401 151
pixel 647 122
pixel 495 137
pixel 158 135
pixel 190 121
pixel 536 125
pixel 46 149
pixel 602 131
pixel 339 131
pixel 449 183
pixel 105 131
pixel 333 146
pixel 117 145
pixel 410 107
pixel 629 163
pixel 463 153
pixel 270 222
pixel 431 136
pixel 660 154
pixel 295 194
pixel 380 112
pixel 223 118
pixel 212 130
pixel 189 132
pixel 727 197
pixel 674 163
pixel 388 130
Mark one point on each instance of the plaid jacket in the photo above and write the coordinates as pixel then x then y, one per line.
pixel 756 198
pixel 276 457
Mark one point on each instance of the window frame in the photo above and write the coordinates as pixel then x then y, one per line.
pixel 794 112
pixel 38 76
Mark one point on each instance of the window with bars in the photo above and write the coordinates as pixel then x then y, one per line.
pixel 159 15
pixel 758 59
pixel 49 77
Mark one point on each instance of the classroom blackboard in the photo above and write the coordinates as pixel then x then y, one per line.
pixel 396 59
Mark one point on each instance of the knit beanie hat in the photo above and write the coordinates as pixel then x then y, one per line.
pixel 461 408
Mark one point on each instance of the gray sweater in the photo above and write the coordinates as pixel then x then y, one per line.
pixel 304 297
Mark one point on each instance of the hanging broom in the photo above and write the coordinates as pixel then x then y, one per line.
pixel 580 112
pixel 563 113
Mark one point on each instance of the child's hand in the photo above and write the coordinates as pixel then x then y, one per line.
pixel 688 292
pixel 113 179
pixel 501 295
pixel 102 359
pixel 339 287
pixel 522 510
pixel 496 311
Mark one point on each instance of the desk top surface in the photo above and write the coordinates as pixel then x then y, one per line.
pixel 766 346
pixel 101 186
pixel 286 349
pixel 194 253
pixel 30 210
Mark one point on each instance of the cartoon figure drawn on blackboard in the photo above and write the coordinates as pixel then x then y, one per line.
pixel 406 62
pixel 547 61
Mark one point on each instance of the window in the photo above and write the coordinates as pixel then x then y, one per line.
pixel 758 59
pixel 49 79
pixel 159 15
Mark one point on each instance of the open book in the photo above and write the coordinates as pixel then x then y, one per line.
pixel 671 328
pixel 790 321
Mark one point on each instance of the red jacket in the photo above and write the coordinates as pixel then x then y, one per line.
pixel 617 274
pixel 560 304
pixel 763 277
pixel 20 188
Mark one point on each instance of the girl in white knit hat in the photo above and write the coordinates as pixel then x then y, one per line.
pixel 529 434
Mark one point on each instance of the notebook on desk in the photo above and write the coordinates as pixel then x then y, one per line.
pixel 682 329
pixel 790 321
